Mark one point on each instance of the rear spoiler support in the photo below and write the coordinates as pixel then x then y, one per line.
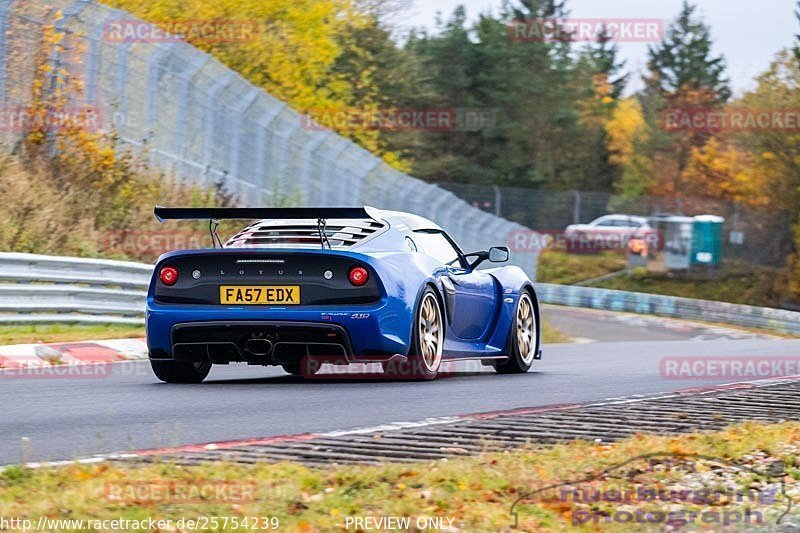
pixel 213 226
pixel 215 215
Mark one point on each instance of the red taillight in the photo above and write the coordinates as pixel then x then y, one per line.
pixel 168 275
pixel 359 276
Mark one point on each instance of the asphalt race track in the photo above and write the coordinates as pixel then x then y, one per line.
pixel 55 419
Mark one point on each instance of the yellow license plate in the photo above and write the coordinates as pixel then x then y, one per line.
pixel 262 294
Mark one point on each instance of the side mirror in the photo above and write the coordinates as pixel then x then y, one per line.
pixel 498 254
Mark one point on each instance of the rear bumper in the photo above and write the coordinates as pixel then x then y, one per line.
pixel 356 333
pixel 259 342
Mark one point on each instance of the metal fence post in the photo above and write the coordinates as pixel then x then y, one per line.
pixel 317 139
pixel 357 195
pixel 282 161
pixel 239 111
pixel 210 116
pixel 93 63
pixel 179 137
pixel 152 84
pixel 261 140
pixel 5 5
pixel 122 81
pixel 327 172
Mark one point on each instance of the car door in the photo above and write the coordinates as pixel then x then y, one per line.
pixel 470 295
pixel 629 228
pixel 624 228
pixel 612 233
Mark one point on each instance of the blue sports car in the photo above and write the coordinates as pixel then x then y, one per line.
pixel 306 286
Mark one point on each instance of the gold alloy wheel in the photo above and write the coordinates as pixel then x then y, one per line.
pixel 526 328
pixel 430 331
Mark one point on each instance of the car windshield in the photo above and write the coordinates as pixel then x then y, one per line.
pixel 436 245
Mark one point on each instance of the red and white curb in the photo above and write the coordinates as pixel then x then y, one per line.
pixel 395 426
pixel 22 356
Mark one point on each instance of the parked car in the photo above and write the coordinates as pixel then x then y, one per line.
pixel 611 232
pixel 307 286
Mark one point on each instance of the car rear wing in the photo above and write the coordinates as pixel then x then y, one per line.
pixel 258 213
pixel 215 214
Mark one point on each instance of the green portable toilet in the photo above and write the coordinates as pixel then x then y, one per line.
pixel 707 240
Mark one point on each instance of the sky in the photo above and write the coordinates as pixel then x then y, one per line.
pixel 747 33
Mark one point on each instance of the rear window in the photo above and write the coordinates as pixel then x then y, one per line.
pixel 341 233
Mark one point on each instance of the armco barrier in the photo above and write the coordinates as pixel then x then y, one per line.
pixel 46 289
pixel 670 306
pixel 42 288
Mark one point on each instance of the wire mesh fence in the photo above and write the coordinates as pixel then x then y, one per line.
pixel 756 235
pixel 206 125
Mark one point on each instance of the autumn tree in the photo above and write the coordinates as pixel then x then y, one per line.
pixel 683 74
pixel 683 61
pixel 605 64
pixel 627 133
pixel 599 84
pixel 721 170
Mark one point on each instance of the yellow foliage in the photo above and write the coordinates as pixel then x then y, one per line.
pixel 626 126
pixel 718 170
pixel 291 54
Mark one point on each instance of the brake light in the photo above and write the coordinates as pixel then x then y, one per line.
pixel 358 276
pixel 168 275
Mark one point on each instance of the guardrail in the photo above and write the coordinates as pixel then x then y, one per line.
pixel 767 318
pixel 42 288
pixel 47 289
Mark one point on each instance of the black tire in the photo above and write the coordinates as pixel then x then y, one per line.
pixel 303 368
pixel 180 371
pixel 519 363
pixel 424 356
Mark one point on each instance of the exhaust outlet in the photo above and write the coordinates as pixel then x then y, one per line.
pixel 258 346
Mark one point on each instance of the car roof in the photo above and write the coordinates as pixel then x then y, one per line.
pixel 624 217
pixel 413 222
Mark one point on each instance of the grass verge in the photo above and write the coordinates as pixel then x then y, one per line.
pixel 553 335
pixel 734 282
pixel 37 333
pixel 476 493
pixel 556 266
